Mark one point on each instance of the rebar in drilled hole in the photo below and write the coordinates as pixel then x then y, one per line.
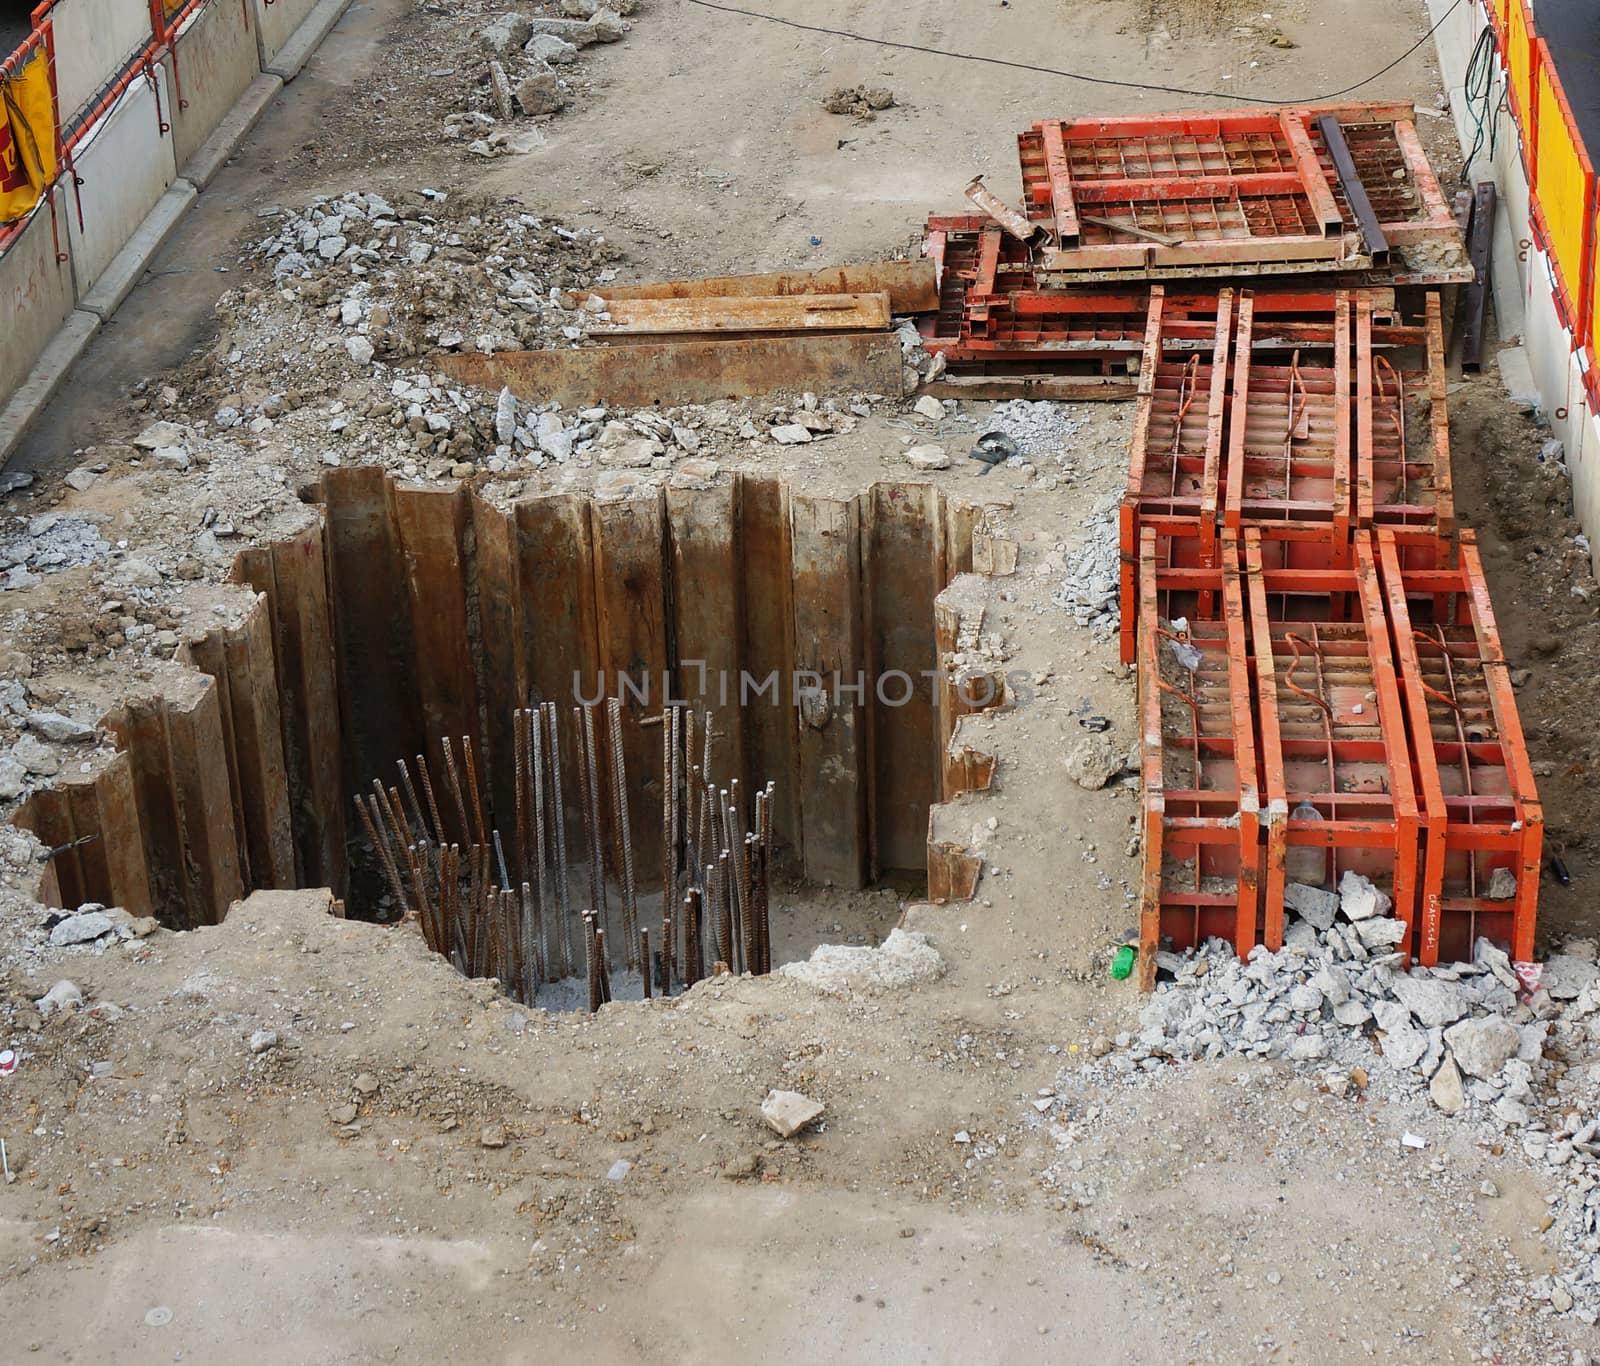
pixel 414 813
pixel 691 937
pixel 644 959
pixel 453 779
pixel 519 736
pixel 391 874
pixel 619 812
pixel 666 954
pixel 713 914
pixel 438 835
pixel 725 906
pixel 536 766
pixel 591 795
pixel 559 821
pixel 480 828
pixel 751 944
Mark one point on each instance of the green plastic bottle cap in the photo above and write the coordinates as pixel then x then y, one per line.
pixel 1122 964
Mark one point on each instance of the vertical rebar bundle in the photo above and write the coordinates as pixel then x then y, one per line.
pixel 510 913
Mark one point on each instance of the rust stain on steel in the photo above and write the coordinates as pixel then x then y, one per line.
pixel 687 372
pixel 781 313
pixel 910 285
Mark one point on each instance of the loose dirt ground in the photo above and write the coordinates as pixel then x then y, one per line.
pixel 1209 1213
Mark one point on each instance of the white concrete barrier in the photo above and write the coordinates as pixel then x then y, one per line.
pixel 35 289
pixel 212 60
pixel 126 165
pixel 94 39
pixel 275 23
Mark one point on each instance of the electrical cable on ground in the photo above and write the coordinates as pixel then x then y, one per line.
pixel 1233 95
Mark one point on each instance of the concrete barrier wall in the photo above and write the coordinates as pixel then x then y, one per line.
pixel 213 59
pixel 125 166
pixel 94 39
pixel 276 22
pixel 35 290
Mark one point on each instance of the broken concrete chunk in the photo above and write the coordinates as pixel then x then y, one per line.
pixel 607 26
pixel 500 89
pixel 1502 886
pixel 1359 899
pixel 1484 1045
pixel 788 1112
pixel 1566 977
pixel 578 32
pixel 540 92
pixel 546 47
pixel 928 458
pixel 1446 1089
pixel 54 726
pixel 501 35
pixel 1432 1001
pixel 929 407
pixel 82 928
pixel 360 350
pixel 791 434
pixel 1380 932
pixel 64 995
pixel 263 1039
pixel 1311 903
pixel 159 434
pixel 904 959
pixel 36 757
pixel 1094 761
pixel 171 457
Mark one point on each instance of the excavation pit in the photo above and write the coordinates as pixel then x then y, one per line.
pixel 800 627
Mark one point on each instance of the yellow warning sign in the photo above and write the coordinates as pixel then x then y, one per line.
pixel 27 136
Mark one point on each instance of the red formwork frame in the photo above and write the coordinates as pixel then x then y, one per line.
pixel 1332 730
pixel 1208 825
pixel 1403 481
pixel 1225 192
pixel 1480 807
pixel 1175 456
pixel 1289 448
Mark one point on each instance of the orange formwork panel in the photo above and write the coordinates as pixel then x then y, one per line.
pixel 1332 734
pixel 1482 821
pixel 1175 455
pixel 1402 425
pixel 1289 446
pixel 1201 849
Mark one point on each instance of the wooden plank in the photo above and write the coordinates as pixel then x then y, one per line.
pixel 1059 388
pixel 199 775
pixel 901 549
pixel 789 313
pixel 257 752
pixel 686 372
pixel 826 550
pixel 630 604
pixel 706 609
pixel 376 646
pixel 500 669
pixel 766 651
pixel 910 285
pixel 432 525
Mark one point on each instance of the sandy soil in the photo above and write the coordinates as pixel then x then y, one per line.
pixel 196 1200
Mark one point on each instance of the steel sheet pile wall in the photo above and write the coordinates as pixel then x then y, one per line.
pixel 1322 689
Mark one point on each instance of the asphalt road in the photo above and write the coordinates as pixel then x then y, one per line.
pixel 1572 28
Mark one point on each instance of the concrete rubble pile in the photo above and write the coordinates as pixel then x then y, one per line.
pixel 1511 1049
pixel 1091 591
pixel 528 58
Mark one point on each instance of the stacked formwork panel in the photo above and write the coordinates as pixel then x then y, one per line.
pixel 1371 727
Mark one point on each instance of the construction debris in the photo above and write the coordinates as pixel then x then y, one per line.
pixel 861 101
